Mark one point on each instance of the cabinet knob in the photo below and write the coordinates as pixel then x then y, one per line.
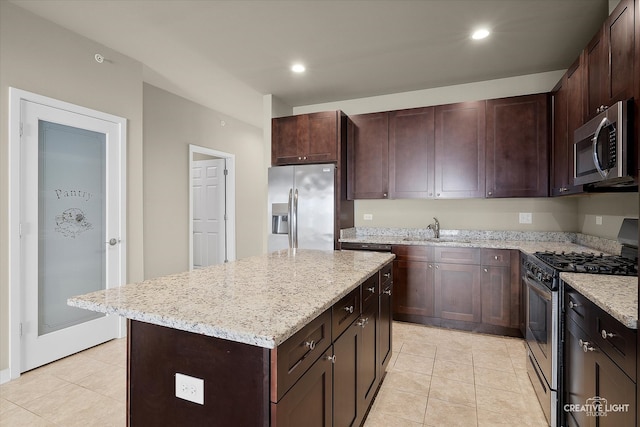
pixel 386 275
pixel 486 270
pixel 387 291
pixel 437 266
pixel 384 194
pixel 310 344
pixel 573 305
pixel 299 158
pixel 606 334
pixel 490 193
pixel 372 289
pixel 331 359
pixel 496 257
pixel 363 322
pixel 430 194
pixel 349 309
pixel 430 266
pixel 438 194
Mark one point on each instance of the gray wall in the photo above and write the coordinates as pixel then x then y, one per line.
pixel 41 57
pixel 171 123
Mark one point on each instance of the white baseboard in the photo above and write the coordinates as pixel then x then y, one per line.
pixel 5 376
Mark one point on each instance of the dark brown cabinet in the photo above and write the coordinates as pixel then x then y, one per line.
pixel 500 288
pixel 411 153
pixel 345 384
pixel 517 146
pixel 385 318
pixel 609 61
pixel 600 365
pixel 447 286
pixel 414 286
pixel 305 138
pixel 460 150
pixel 568 115
pixel 368 155
pixel 310 401
pixel 457 292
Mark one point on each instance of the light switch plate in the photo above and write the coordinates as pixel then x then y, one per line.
pixel 598 220
pixel 525 218
pixel 367 217
pixel 190 388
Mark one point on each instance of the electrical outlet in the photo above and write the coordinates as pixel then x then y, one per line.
pixel 190 388
pixel 598 220
pixel 367 217
pixel 525 218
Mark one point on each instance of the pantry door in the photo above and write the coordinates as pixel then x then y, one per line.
pixel 72 230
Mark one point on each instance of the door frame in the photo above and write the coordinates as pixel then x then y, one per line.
pixel 16 96
pixel 230 201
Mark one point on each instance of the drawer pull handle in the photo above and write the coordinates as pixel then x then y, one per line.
pixel 387 291
pixel 606 334
pixel 372 289
pixel 331 359
pixel 585 346
pixel 311 344
pixel 387 275
pixel 573 305
pixel 349 309
pixel 363 322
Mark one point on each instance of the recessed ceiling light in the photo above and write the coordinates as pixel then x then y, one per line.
pixel 298 68
pixel 480 34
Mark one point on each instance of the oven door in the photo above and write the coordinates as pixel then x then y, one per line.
pixel 540 324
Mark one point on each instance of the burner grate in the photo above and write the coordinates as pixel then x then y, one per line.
pixel 586 262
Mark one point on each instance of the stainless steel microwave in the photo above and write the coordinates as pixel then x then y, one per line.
pixel 601 152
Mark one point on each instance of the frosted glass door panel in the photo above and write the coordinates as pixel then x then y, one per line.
pixel 71 219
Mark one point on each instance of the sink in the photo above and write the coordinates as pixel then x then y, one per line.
pixel 436 240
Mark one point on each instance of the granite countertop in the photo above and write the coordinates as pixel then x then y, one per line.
pixel 617 295
pixel 261 300
pixel 526 246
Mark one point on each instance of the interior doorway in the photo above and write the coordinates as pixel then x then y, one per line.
pixel 211 207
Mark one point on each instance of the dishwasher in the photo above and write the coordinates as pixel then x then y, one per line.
pixel 377 247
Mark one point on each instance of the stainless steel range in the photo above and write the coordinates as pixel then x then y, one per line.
pixel 544 320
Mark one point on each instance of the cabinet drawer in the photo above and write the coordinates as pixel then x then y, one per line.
pixel 495 257
pixel 616 341
pixel 344 312
pixel 413 253
pixel 577 309
pixel 291 359
pixel 370 290
pixel 386 276
pixel 457 255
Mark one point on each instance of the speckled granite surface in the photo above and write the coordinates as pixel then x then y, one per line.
pixel 617 295
pixel 260 300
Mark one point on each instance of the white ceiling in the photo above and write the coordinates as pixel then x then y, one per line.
pixel 227 54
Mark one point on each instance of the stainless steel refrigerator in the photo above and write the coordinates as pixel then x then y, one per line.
pixel 302 207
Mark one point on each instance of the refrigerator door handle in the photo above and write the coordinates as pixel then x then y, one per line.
pixel 290 214
pixel 295 220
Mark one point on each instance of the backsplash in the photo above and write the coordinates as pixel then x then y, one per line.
pixel 597 243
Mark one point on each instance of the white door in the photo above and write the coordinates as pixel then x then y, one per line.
pixel 209 195
pixel 71 206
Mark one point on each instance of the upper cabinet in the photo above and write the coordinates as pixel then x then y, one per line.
pixel 411 153
pixel 305 138
pixel 367 157
pixel 568 115
pixel 459 150
pixel 517 146
pixel 609 59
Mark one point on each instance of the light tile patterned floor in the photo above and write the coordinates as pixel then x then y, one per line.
pixel 436 377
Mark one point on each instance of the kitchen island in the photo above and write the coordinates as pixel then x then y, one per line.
pixel 259 337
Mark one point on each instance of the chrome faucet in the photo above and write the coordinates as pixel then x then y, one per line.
pixel 435 227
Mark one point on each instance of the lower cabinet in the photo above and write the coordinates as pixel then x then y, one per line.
pixel 461 288
pixel 599 366
pixel 309 401
pixel 339 387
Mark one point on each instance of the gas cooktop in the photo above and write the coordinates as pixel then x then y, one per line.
pixel 585 262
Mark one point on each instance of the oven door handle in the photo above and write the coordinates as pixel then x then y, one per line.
pixel 541 290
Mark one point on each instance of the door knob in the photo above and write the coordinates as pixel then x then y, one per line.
pixel 113 241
